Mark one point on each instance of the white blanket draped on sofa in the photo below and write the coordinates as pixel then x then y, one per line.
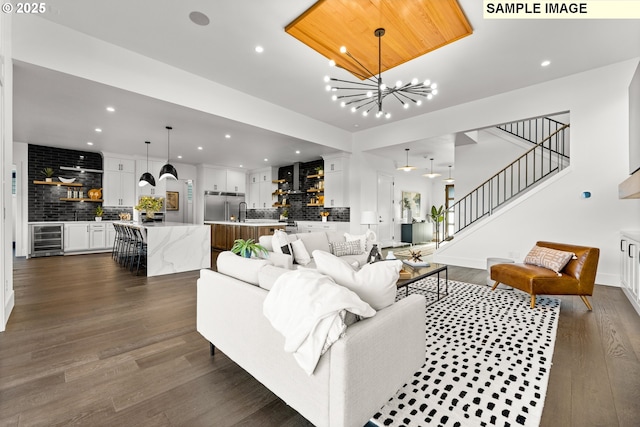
pixel 305 307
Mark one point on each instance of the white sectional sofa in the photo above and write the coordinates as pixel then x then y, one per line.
pixel 357 375
pixel 317 240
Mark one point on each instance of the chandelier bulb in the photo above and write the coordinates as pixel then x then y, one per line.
pixel 419 102
pixel 332 63
pixel 383 86
pixel 343 104
pixel 326 79
pixel 399 83
pixel 353 109
pixel 378 114
pixel 414 81
pixel 369 94
pixel 429 96
pixel 434 86
pixel 334 98
pixel 328 88
pixel 365 113
pixel 406 105
pixel 435 91
pixel 343 49
pixel 387 116
pixel 427 82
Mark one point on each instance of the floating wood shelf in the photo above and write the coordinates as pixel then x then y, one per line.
pixel 279 193
pixel 315 204
pixel 315 190
pixel 315 176
pixel 278 181
pixel 280 205
pixel 71 199
pixel 58 183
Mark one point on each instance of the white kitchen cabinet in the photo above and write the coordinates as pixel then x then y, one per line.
pixel 160 189
pixel 312 226
pixel 119 182
pixel 261 188
pixel 336 174
pixel 630 266
pixel 214 179
pixel 76 237
pixel 97 236
pixel 236 181
pixel 111 236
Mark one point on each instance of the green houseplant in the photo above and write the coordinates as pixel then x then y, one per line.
pixel 437 216
pixel 99 212
pixel 150 205
pixel 48 173
pixel 246 248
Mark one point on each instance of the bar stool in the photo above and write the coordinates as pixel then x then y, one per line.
pixel 140 250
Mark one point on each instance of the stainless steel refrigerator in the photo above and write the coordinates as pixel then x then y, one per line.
pixel 220 205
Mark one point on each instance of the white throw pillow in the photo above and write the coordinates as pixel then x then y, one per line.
pixel 361 237
pixel 281 242
pixel 374 283
pixel 300 254
pixel 241 268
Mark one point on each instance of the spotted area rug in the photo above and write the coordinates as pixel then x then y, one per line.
pixel 488 357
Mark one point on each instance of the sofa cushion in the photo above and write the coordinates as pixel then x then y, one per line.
pixel 316 241
pixel 374 283
pixel 300 253
pixel 362 238
pixel 241 268
pixel 281 242
pixel 346 248
pixel 552 259
pixel 268 275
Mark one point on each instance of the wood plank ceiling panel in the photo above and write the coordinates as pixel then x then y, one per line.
pixel 412 28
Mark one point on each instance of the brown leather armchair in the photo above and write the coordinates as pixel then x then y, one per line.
pixel 577 277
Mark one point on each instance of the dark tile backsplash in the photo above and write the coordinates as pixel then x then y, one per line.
pixel 299 211
pixel 44 200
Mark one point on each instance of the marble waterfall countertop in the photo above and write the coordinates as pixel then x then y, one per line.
pixel 249 224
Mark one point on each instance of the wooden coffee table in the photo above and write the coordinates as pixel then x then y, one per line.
pixel 419 273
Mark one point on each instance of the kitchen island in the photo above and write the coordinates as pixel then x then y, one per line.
pixel 174 247
pixel 224 233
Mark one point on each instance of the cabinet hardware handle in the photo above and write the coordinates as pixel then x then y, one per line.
pixel 621 244
pixel 629 250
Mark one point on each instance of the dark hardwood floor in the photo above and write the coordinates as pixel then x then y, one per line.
pixel 90 344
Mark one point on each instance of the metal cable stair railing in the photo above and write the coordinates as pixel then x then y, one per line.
pixel 532 130
pixel 543 160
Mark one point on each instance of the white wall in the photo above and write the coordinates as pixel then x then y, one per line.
pixel 7 296
pixel 553 211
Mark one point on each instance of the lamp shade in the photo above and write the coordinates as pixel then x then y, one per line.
pixel 147 179
pixel 368 218
pixel 168 171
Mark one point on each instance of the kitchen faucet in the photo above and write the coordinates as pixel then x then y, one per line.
pixel 240 218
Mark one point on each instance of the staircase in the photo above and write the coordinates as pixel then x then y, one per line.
pixel 546 158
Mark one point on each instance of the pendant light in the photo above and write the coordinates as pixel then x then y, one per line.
pixel 146 177
pixel 406 167
pixel 449 180
pixel 168 171
pixel 431 174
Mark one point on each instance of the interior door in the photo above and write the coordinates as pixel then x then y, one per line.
pixel 386 222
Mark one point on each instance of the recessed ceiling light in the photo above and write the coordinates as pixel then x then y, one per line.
pixel 98 130
pixel 111 109
pixel 545 63
pixel 199 148
pixel 266 160
pixel 259 49
pixel 241 166
pixel 227 136
pixel 89 143
pixel 297 151
pixel 199 18
pixel 179 157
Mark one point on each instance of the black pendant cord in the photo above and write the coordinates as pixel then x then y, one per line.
pixel 147 142
pixel 380 32
pixel 168 142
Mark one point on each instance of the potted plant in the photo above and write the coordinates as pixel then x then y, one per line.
pixel 48 173
pixel 436 216
pixel 285 214
pixel 150 205
pixel 319 170
pixel 246 248
pixel 99 213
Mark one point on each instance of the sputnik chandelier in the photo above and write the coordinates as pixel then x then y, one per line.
pixel 369 93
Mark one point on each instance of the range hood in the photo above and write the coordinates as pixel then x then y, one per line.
pixel 630 187
pixel 296 179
